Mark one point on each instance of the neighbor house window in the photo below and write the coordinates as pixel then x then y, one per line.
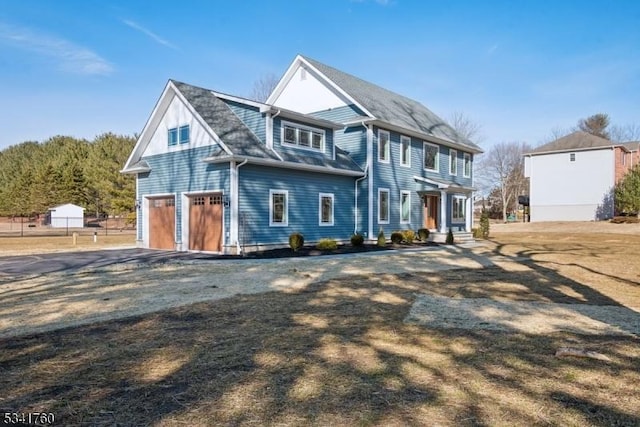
pixel 383 206
pixel 453 162
pixel 172 136
pixel 405 151
pixel 383 146
pixel 325 210
pixel 430 156
pixel 302 136
pixel 405 207
pixel 278 208
pixel 467 165
pixel 458 208
pixel 184 134
pixel 572 157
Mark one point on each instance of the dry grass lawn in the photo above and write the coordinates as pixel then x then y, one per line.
pixel 43 243
pixel 340 353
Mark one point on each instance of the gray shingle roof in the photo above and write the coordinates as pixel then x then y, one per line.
pixel 574 141
pixel 239 138
pixel 223 121
pixel 631 146
pixel 391 107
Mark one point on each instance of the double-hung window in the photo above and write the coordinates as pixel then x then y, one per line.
pixel 430 156
pixel 278 208
pixel 467 165
pixel 405 151
pixel 405 207
pixel 453 162
pixel 383 206
pixel 302 136
pixel 383 146
pixel 458 208
pixel 325 209
pixel 184 134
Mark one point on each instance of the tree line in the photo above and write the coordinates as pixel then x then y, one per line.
pixel 37 176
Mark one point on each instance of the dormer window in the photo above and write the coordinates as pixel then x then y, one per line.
pixel 302 136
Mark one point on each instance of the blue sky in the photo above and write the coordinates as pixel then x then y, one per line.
pixel 518 68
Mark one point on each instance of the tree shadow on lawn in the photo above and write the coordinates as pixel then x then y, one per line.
pixel 337 352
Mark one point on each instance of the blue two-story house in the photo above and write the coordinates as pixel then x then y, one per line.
pixel 328 155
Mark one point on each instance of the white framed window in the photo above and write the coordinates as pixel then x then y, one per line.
pixel 172 136
pixel 458 208
pixel 453 162
pixel 467 165
pixel 572 157
pixel 430 156
pixel 405 207
pixel 383 206
pixel 383 146
pixel 325 209
pixel 405 151
pixel 302 136
pixel 278 208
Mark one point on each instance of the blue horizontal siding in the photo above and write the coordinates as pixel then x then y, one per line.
pixel 303 191
pixel 183 171
pixel 251 117
pixel 397 178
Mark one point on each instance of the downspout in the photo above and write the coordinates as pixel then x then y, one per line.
pixel 236 203
pixel 369 134
pixel 270 135
pixel 355 222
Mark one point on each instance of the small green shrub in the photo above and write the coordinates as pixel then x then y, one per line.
pixel 484 224
pixel 327 245
pixel 382 241
pixel 396 237
pixel 477 233
pixel 423 234
pixel 357 240
pixel 449 240
pixel 296 241
pixel 408 236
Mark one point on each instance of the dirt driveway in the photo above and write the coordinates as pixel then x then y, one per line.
pixel 60 299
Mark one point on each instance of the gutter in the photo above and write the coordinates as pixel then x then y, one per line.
pixel 284 164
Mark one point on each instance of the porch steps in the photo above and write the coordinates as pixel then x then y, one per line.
pixel 459 237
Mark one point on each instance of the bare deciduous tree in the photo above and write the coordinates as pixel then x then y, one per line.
pixel 630 132
pixel 466 127
pixel 263 87
pixel 502 167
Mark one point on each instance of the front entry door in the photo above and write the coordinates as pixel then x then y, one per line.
pixel 431 212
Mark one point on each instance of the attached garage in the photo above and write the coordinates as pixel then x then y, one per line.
pixel 205 222
pixel 162 222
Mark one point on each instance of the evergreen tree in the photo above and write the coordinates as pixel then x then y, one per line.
pixel 627 192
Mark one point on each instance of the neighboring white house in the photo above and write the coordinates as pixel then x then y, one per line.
pixel 572 178
pixel 63 216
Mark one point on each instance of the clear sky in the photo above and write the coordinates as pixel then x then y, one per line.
pixel 518 68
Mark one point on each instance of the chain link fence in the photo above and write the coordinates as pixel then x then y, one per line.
pixel 64 226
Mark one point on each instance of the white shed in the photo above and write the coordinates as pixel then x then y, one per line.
pixel 68 215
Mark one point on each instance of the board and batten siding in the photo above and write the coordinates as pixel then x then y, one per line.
pixel 250 116
pixel 303 205
pixel 179 172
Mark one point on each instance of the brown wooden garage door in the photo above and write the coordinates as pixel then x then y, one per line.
pixel 162 223
pixel 205 223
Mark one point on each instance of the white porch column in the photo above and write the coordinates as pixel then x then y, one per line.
pixel 468 214
pixel 443 212
pixel 233 205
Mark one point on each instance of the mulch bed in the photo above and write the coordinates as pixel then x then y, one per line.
pixel 307 251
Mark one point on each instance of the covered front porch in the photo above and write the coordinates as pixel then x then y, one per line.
pixel 445 206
